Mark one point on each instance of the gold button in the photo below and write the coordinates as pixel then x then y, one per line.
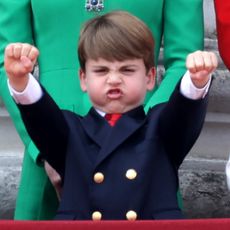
pixel 96 216
pixel 131 215
pixel 131 174
pixel 98 177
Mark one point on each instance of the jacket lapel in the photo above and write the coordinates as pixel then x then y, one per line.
pixel 96 127
pixel 109 138
pixel 125 127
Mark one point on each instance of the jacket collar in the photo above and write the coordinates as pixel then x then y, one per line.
pixel 107 137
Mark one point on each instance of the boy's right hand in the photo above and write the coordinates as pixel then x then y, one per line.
pixel 19 61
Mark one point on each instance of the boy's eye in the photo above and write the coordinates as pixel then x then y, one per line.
pixel 101 70
pixel 128 70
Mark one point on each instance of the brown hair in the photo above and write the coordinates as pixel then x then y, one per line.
pixel 116 36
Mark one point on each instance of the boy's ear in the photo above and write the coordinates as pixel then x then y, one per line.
pixel 83 80
pixel 151 75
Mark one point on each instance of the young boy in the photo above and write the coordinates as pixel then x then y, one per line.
pixel 126 170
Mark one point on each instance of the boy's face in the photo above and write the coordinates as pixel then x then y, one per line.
pixel 116 87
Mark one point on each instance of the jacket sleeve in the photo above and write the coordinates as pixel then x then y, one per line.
pixel 48 128
pixel 181 122
pixel 15 26
pixel 183 33
pixel 222 9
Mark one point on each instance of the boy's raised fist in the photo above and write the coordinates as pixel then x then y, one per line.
pixel 201 64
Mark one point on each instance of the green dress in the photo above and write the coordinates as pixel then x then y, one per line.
pixel 53 26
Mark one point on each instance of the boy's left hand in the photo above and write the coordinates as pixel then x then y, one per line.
pixel 201 64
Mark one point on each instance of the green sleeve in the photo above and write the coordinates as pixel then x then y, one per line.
pixel 183 33
pixel 15 26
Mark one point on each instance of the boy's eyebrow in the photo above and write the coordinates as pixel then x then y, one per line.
pixel 129 65
pixel 120 67
pixel 99 66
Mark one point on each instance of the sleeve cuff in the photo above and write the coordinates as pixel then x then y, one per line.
pixel 189 90
pixel 31 94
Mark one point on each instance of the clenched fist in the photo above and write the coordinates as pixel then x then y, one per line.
pixel 19 61
pixel 200 65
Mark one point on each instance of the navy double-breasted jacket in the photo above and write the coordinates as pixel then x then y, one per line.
pixel 126 171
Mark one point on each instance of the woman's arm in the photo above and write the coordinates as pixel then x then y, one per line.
pixel 183 34
pixel 16 26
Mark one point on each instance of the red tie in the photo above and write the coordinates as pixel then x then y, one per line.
pixel 112 118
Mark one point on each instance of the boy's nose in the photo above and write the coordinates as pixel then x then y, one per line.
pixel 114 78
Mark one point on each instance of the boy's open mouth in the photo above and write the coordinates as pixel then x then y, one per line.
pixel 114 93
